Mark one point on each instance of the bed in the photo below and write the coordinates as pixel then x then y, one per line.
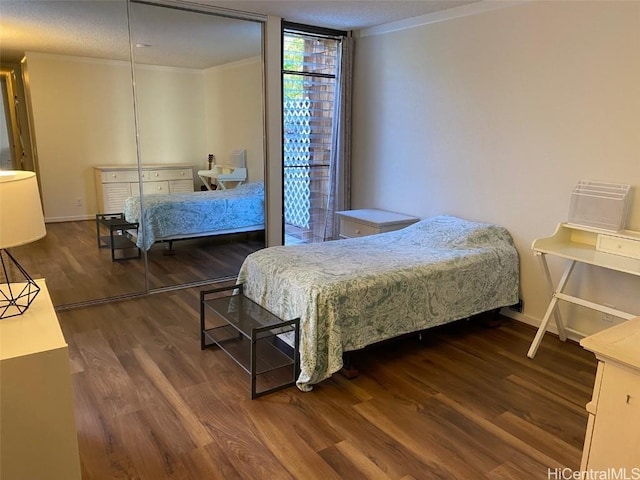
pixel 175 216
pixel 355 292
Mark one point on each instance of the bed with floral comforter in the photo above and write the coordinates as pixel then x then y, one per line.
pixel 355 292
pixel 195 214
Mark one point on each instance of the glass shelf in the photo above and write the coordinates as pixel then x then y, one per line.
pixel 263 345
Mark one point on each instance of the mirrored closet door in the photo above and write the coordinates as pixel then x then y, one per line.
pixel 199 106
pixel 99 139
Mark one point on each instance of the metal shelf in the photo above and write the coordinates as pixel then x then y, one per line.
pixel 263 345
pixel 120 235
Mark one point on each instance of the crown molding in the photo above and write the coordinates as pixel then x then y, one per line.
pixel 441 16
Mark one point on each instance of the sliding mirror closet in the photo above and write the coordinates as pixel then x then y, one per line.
pixel 136 111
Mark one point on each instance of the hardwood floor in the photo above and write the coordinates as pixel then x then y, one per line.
pixel 78 271
pixel 464 402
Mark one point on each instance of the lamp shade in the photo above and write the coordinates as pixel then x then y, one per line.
pixel 21 218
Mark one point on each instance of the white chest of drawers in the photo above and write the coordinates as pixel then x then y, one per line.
pixel 360 223
pixel 38 426
pixel 114 183
pixel 612 440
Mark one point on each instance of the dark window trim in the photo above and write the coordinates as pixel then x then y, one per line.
pixel 312 30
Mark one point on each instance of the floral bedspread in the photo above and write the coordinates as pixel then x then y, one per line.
pixel 193 213
pixel 354 292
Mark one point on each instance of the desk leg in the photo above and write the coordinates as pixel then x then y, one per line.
pixel 551 309
pixel 556 313
pixel 206 181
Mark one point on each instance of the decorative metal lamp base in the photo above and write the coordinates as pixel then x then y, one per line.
pixel 15 297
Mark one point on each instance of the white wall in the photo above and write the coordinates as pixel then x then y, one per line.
pixel 83 116
pixel 495 116
pixel 171 114
pixel 234 119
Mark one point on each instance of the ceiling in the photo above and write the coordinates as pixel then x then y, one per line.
pixel 341 14
pixel 178 37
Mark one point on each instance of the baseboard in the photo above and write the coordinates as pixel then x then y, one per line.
pixel 74 218
pixel 535 322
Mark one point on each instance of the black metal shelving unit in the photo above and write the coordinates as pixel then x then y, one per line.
pixel 263 345
pixel 119 237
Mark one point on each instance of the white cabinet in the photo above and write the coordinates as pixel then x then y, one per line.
pixel 613 430
pixel 114 183
pixel 38 436
pixel 360 223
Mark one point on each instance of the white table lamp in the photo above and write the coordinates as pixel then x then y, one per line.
pixel 21 222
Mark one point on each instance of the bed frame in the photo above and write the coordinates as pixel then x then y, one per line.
pixel 213 233
pixel 349 370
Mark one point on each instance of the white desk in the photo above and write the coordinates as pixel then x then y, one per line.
pixel 38 436
pixel 235 171
pixel 219 175
pixel 578 244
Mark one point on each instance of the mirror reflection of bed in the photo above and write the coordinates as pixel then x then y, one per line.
pixel 170 218
pixel 83 108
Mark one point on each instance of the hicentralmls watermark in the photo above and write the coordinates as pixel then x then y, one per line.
pixel 606 474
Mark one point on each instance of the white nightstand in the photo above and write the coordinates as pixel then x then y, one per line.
pixel 360 223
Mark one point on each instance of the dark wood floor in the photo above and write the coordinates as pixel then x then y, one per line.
pixel 464 402
pixel 78 271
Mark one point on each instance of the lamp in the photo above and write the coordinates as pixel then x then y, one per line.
pixel 21 222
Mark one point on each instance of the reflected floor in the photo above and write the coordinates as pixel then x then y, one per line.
pixel 291 240
pixel 77 271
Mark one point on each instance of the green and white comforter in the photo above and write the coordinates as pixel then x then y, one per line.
pixel 180 215
pixel 355 292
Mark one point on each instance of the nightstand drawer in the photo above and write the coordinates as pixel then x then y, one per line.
pixel 350 229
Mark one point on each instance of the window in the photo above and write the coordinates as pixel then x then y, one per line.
pixel 310 82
